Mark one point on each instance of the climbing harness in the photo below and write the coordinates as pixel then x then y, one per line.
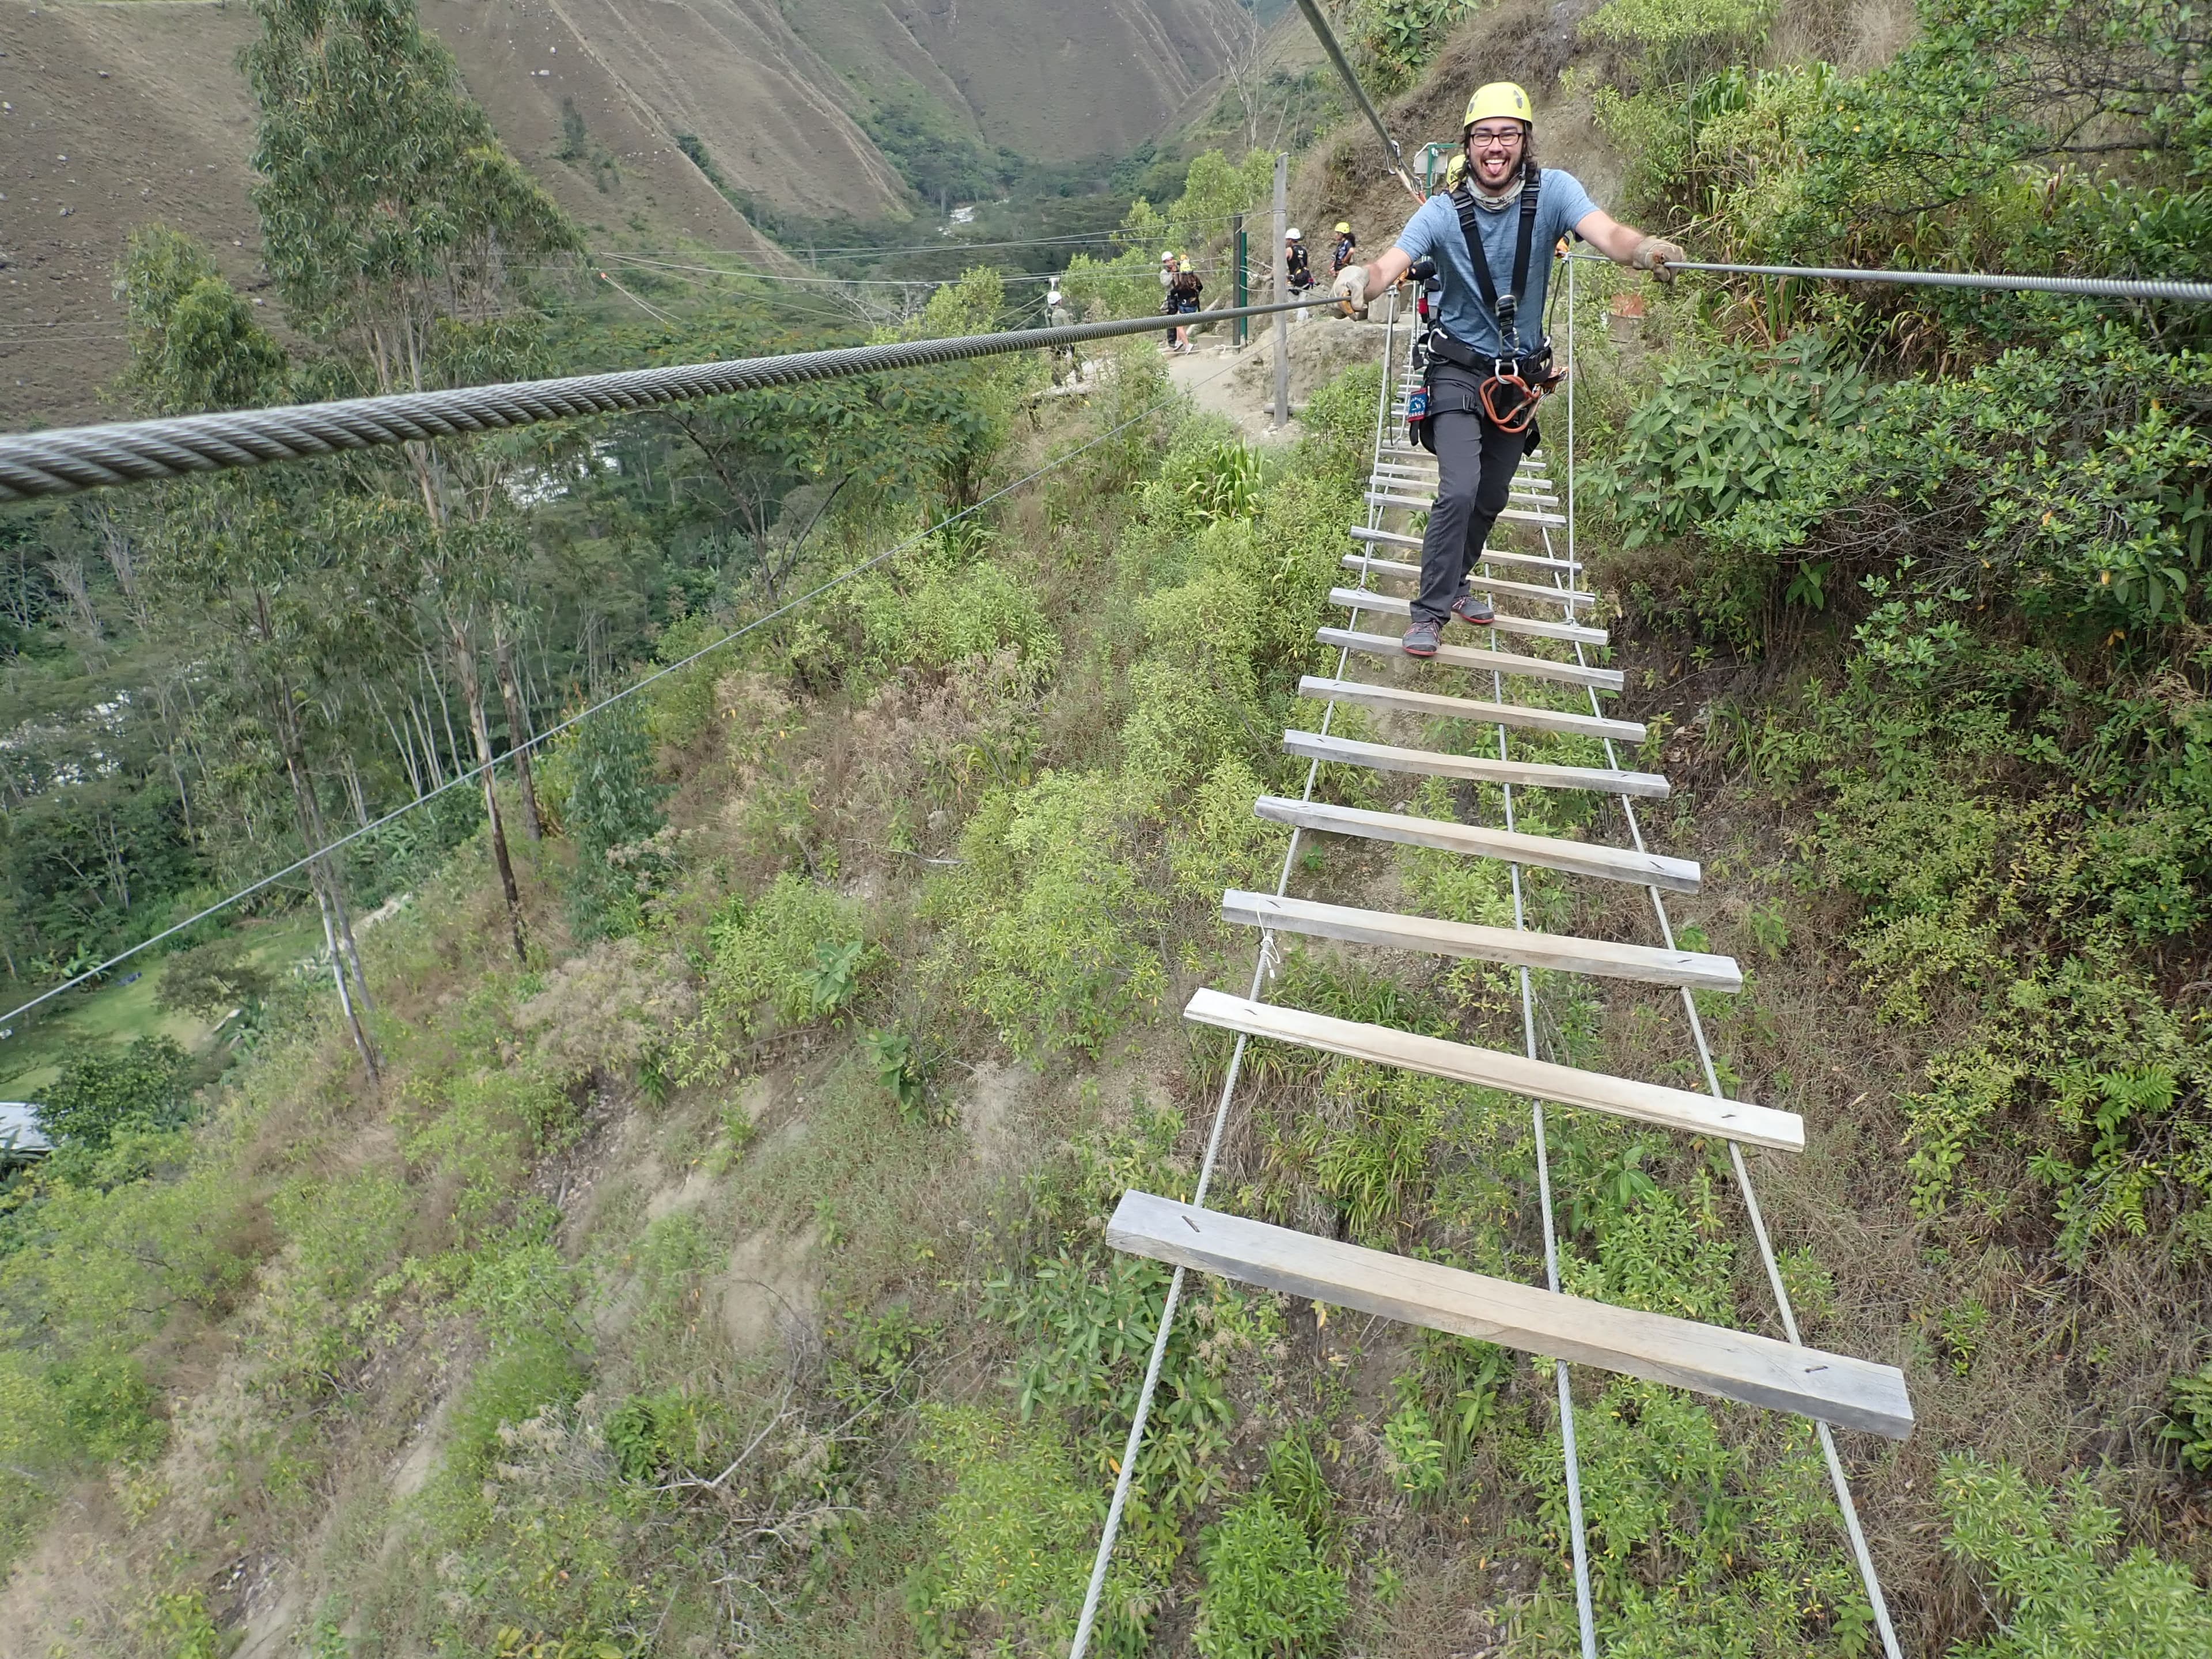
pixel 1515 381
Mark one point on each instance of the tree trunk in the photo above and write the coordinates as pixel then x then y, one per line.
pixel 320 878
pixel 471 688
pixel 338 978
pixel 518 727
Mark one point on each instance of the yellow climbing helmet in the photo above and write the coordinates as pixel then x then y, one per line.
pixel 1500 98
pixel 1343 227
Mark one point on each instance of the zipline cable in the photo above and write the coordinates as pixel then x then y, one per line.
pixel 477 771
pixel 74 459
pixel 1328 44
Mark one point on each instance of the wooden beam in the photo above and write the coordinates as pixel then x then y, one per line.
pixel 1411 573
pixel 1468 709
pixel 1494 1068
pixel 1414 504
pixel 1476 769
pixel 1579 858
pixel 1563 953
pixel 1393 605
pixel 1464 656
pixel 1740 1365
pixel 1397 538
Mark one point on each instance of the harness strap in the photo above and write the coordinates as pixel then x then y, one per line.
pixel 1502 306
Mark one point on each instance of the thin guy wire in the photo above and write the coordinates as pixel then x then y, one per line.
pixel 65 461
pixel 838 580
pixel 1262 970
pixel 1838 1479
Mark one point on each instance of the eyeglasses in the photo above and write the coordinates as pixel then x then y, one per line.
pixel 1495 135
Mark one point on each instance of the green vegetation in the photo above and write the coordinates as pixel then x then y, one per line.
pixel 712 1260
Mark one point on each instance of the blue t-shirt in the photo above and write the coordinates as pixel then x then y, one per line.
pixel 1433 233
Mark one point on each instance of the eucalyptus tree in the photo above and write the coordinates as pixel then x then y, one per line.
pixel 282 581
pixel 399 231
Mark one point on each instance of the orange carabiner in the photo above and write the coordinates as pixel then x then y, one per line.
pixel 1521 401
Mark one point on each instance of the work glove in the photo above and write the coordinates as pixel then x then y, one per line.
pixel 1654 254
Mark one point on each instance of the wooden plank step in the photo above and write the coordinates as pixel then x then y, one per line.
pixel 1495 1068
pixel 1411 573
pixel 1394 605
pixel 1647 964
pixel 1579 858
pixel 1465 656
pixel 1412 503
pixel 1399 538
pixel 1524 484
pixel 1476 769
pixel 1433 704
pixel 1711 1359
pixel 1415 452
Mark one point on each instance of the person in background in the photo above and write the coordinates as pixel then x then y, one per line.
pixel 1300 269
pixel 1167 296
pixel 1182 299
pixel 1065 362
pixel 1347 249
pixel 1507 212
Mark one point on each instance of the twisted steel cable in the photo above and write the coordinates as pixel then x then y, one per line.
pixel 73 458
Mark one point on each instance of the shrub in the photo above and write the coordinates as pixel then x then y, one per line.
pixel 103 1091
pixel 1052 921
pixel 793 955
pixel 599 784
pixel 609 1010
pixel 1014 1536
pixel 1266 1594
pixel 210 979
pixel 2059 1582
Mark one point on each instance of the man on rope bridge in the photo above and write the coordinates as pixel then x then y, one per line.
pixel 1486 373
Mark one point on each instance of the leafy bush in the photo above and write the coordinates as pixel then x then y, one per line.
pixel 2190 1409
pixel 609 1012
pixel 792 955
pixel 211 980
pixel 598 782
pixel 1268 1593
pixel 2059 1582
pixel 1014 1536
pixel 954 613
pixel 103 1091
pixel 1052 918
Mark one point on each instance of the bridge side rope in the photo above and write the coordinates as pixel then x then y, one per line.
pixel 74 459
pixel 850 574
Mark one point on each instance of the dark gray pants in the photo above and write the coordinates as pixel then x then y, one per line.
pixel 1475 460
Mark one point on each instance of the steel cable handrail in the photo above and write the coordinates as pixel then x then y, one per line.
pixel 74 459
pixel 2098 288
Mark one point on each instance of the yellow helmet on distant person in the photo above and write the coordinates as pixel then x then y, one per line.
pixel 1343 227
pixel 1500 98
pixel 1455 170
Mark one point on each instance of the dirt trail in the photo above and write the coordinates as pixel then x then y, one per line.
pixel 1240 385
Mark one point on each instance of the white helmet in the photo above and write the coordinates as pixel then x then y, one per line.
pixel 1291 234
pixel 1053 298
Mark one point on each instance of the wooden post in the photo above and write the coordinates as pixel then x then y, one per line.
pixel 1243 336
pixel 1282 293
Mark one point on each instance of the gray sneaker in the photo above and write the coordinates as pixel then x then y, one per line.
pixel 1421 639
pixel 1469 608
